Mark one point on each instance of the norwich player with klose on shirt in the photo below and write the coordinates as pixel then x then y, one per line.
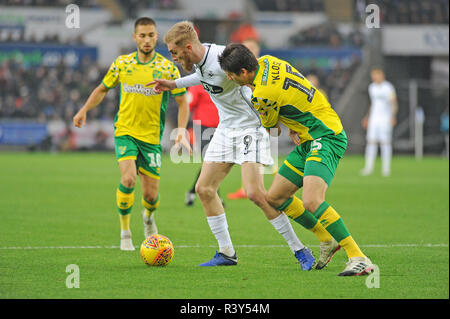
pixel 139 123
pixel 282 95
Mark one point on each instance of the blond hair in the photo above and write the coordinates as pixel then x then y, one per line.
pixel 181 33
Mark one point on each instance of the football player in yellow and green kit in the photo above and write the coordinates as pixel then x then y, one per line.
pixel 281 94
pixel 139 123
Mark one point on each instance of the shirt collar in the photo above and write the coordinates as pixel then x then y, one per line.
pixel 205 55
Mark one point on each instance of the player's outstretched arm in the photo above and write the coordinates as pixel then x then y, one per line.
pixel 161 85
pixel 94 99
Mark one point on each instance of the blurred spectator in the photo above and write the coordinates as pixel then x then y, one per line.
pixel 7 36
pixel 66 139
pixel 101 138
pixel 245 32
pixel 355 38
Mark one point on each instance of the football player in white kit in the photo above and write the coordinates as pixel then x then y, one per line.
pixel 239 139
pixel 379 122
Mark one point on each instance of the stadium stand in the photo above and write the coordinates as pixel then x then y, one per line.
pixel 413 11
pixel 290 5
pixel 50 93
pixel 133 7
pixel 326 35
pixel 51 3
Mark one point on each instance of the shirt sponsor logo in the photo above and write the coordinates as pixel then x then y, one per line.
pixel 139 89
pixel 265 74
pixel 213 89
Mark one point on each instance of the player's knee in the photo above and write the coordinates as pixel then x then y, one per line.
pixel 273 200
pixel 311 204
pixel 205 191
pixel 256 196
pixel 150 196
pixel 128 180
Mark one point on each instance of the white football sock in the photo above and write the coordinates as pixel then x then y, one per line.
pixel 219 228
pixel 284 227
pixel 386 155
pixel 370 155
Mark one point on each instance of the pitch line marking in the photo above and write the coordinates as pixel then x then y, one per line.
pixel 211 246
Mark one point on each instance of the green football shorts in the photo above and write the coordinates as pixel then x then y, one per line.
pixel 319 157
pixel 147 156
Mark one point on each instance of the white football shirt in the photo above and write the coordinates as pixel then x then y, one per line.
pixel 381 95
pixel 234 111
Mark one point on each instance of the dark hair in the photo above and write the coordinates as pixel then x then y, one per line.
pixel 236 57
pixel 144 21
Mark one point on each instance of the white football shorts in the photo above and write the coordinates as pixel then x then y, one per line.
pixel 379 133
pixel 239 145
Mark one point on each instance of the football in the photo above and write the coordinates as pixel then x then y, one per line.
pixel 157 250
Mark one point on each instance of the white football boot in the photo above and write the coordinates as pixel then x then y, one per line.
pixel 327 251
pixel 149 225
pixel 125 241
pixel 357 266
pixel 366 172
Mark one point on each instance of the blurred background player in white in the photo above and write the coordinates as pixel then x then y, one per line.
pixel 239 139
pixel 379 122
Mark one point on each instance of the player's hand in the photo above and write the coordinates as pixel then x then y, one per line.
pixel 162 85
pixel 294 137
pixel 365 122
pixel 182 140
pixel 393 122
pixel 79 119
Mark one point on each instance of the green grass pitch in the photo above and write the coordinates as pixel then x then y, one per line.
pixel 59 209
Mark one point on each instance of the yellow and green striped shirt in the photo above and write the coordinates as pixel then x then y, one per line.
pixel 282 94
pixel 141 112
